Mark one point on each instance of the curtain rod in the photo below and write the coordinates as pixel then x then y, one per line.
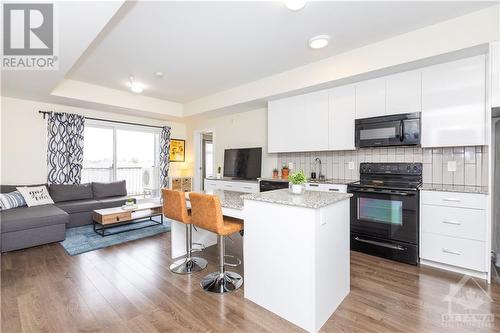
pixel 44 113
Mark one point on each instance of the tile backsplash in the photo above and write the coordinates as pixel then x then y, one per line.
pixel 471 162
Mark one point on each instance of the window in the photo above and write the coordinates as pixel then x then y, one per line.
pixel 122 152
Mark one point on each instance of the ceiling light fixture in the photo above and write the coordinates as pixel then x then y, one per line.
pixel 159 75
pixel 134 86
pixel 295 5
pixel 319 42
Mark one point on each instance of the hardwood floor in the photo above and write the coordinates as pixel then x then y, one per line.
pixel 129 288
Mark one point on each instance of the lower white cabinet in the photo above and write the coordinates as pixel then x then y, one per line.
pixel 232 185
pixel 454 230
pixel 326 187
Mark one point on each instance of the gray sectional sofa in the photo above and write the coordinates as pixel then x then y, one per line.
pixel 24 227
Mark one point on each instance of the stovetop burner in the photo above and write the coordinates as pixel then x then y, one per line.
pixel 407 176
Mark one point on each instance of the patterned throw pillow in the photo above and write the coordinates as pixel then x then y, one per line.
pixel 35 196
pixel 11 200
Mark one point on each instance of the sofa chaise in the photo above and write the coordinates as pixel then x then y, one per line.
pixel 24 227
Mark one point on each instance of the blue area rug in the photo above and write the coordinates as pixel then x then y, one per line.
pixel 84 239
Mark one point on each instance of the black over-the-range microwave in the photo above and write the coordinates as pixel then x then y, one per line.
pixel 387 131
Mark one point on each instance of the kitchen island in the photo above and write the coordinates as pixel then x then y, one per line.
pixel 296 254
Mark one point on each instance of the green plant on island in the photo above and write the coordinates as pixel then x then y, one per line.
pixel 297 178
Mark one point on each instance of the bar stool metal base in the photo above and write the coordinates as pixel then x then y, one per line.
pixel 188 266
pixel 221 283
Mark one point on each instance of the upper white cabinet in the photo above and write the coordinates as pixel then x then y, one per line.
pixel 370 98
pixel 284 123
pixel 313 130
pixel 495 73
pixel 453 103
pixel 342 113
pixel 298 123
pixel 404 92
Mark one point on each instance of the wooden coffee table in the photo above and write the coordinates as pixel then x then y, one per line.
pixel 107 218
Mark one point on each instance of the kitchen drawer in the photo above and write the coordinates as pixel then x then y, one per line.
pixel 453 199
pixel 455 222
pixel 459 252
pixel 326 187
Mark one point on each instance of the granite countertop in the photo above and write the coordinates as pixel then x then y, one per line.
pixel 454 188
pixel 228 199
pixel 235 180
pixel 309 199
pixel 315 181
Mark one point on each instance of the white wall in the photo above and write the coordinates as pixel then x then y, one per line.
pixel 241 130
pixel 24 139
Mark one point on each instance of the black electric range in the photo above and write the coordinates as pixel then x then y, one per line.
pixel 385 210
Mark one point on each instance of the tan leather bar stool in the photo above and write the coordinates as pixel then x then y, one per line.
pixel 174 207
pixel 206 213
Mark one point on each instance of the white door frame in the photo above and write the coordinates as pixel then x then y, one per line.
pixel 197 155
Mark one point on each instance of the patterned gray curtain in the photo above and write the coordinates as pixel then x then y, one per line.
pixel 65 148
pixel 164 156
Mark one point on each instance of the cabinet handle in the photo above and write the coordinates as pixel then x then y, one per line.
pixel 451 222
pixel 247 187
pixel 452 199
pixel 333 189
pixel 451 252
pixel 229 185
pixel 313 185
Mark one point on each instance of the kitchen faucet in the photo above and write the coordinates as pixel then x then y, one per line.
pixel 317 161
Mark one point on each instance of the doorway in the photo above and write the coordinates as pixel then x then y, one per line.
pixel 207 157
pixel 204 152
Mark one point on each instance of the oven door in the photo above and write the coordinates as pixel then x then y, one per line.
pixel 379 134
pixel 385 214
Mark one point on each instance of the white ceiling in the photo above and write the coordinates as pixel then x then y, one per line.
pixel 206 47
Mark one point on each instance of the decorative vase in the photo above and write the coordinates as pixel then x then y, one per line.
pixel 276 174
pixel 297 188
pixel 219 176
pixel 284 173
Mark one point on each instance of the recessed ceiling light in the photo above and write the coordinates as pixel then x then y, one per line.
pixel 319 42
pixel 135 86
pixel 295 5
pixel 159 75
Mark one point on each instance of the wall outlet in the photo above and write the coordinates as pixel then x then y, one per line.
pixel 452 166
pixel 290 165
pixel 350 166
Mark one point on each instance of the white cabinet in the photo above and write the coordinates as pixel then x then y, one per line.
pixel 231 185
pixel 326 187
pixel 454 231
pixel 495 73
pixel 370 98
pixel 404 92
pixel 453 103
pixel 342 108
pixel 284 121
pixel 312 132
pixel 298 123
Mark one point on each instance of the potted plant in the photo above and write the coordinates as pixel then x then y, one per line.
pixel 276 173
pixel 219 175
pixel 284 172
pixel 130 202
pixel 298 179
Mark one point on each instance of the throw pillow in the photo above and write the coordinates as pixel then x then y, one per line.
pixel 36 196
pixel 11 200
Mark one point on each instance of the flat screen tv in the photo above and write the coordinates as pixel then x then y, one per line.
pixel 244 163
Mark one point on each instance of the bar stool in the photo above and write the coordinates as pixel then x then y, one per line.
pixel 174 207
pixel 206 213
